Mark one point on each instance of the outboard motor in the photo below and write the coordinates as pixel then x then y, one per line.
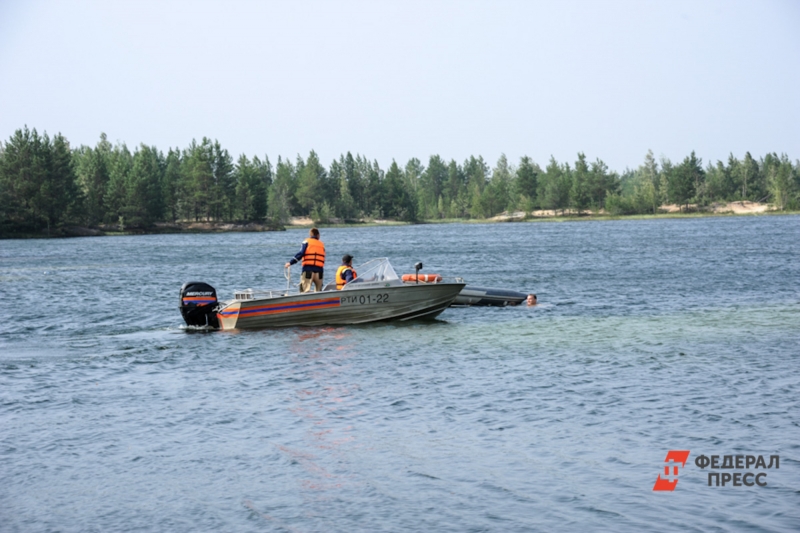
pixel 199 304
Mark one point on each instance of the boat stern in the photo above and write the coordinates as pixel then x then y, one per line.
pixel 228 315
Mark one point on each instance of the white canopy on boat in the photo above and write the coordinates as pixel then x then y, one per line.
pixel 376 272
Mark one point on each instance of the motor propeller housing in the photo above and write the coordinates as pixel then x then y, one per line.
pixel 199 304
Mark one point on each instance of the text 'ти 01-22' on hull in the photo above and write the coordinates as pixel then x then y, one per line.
pixel 377 294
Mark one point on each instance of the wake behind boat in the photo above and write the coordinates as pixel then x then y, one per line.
pixel 377 294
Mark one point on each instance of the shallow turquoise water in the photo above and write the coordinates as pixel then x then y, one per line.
pixel 650 336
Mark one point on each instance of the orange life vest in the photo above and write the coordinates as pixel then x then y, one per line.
pixel 315 253
pixel 340 281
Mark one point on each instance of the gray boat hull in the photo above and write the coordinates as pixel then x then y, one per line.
pixel 355 306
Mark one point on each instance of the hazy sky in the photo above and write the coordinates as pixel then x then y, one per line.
pixel 395 80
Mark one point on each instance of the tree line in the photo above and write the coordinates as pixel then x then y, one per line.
pixel 44 183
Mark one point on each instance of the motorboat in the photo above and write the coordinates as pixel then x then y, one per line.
pixel 377 294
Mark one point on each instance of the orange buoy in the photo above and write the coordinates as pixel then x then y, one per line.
pixel 424 278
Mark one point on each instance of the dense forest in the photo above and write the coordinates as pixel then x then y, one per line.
pixel 45 184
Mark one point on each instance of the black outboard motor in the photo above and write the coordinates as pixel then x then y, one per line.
pixel 199 304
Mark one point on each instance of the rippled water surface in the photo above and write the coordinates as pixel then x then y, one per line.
pixel 650 336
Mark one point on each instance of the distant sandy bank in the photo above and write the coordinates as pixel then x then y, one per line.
pixel 720 208
pixel 736 208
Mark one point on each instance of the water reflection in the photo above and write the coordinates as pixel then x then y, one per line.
pixel 323 404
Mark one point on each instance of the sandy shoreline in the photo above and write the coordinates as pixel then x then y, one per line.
pixel 728 208
pixel 719 208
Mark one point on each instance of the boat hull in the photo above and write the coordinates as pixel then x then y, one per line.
pixel 357 306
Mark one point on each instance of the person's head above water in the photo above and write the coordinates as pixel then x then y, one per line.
pixel 531 299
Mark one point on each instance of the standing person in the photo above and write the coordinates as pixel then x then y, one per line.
pixel 312 255
pixel 346 272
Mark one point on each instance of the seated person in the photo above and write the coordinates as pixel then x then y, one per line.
pixel 346 273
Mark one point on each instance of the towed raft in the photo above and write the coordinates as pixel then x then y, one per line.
pixel 377 294
pixel 480 296
pixel 473 296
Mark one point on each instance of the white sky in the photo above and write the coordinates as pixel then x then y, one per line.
pixel 395 80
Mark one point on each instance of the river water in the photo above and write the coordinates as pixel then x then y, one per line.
pixel 650 336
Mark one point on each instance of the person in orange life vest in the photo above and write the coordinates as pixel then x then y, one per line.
pixel 345 273
pixel 312 254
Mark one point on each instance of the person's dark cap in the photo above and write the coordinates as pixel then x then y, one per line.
pixel 347 258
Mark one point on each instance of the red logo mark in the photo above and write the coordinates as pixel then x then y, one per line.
pixel 670 479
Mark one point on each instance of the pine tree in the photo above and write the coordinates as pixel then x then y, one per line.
pixel 223 196
pixel 198 188
pixel 554 186
pixel 20 178
pixel 431 184
pixel 526 182
pixel 262 181
pixel 781 184
pixel 64 199
pixel 116 195
pixel 92 169
pixel 281 192
pixel 310 178
pixel 394 192
pixel 601 183
pixel 170 185
pixel 456 181
pixel 683 180
pixel 143 201
pixel 579 191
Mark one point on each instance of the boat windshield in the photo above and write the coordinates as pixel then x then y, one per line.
pixel 377 270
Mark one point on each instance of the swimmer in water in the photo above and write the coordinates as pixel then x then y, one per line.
pixel 531 300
